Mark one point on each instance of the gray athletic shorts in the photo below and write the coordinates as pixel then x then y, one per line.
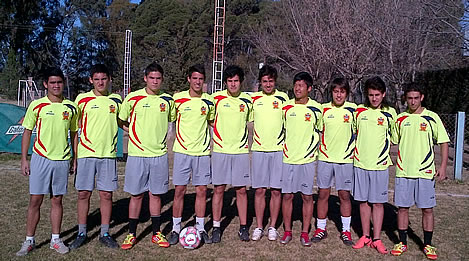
pixel 266 169
pixel 415 191
pixel 48 176
pixel 185 164
pixel 146 173
pixel 231 169
pixel 370 185
pixel 99 172
pixel 298 178
pixel 341 172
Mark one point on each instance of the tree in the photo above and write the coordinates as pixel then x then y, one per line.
pixel 9 76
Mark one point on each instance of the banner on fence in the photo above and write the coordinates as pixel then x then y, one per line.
pixel 11 131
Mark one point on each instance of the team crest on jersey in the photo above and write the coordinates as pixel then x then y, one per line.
pixel 275 104
pixel 162 107
pixel 307 117
pixel 241 107
pixel 203 111
pixel 423 126
pixel 112 108
pixel 380 121
pixel 65 115
pixel 346 118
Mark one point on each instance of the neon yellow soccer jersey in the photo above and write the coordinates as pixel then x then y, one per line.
pixel 417 134
pixel 375 132
pixel 303 123
pixel 52 120
pixel 192 114
pixel 338 135
pixel 99 127
pixel 230 132
pixel 148 117
pixel 268 121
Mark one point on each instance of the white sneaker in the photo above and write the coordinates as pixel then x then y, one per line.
pixel 59 246
pixel 272 234
pixel 28 246
pixel 257 234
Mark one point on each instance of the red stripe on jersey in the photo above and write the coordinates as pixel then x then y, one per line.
pixel 180 143
pixel 178 132
pixel 360 110
pixel 135 143
pixel 85 100
pixel 322 137
pixel 39 136
pixel 219 98
pixel 255 98
pixel 86 147
pixel 355 156
pixel 320 149
pixel 325 109
pixel 255 133
pixel 285 146
pixel 134 132
pixel 284 153
pixel 39 107
pixel 399 155
pixel 356 150
pixel 401 119
pixel 85 124
pixel 399 166
pixel 181 101
pixel 286 108
pixel 257 142
pixel 215 130
pixel 136 99
pixel 37 151
pixel 217 143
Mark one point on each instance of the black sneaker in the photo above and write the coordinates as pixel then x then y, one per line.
pixel 243 234
pixel 173 238
pixel 205 237
pixel 216 235
pixel 81 238
pixel 108 241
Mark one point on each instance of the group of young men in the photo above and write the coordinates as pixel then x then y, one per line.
pixel 293 139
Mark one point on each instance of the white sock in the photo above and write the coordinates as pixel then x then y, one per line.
pixel 55 236
pixel 322 223
pixel 200 223
pixel 345 223
pixel 177 224
pixel 30 239
pixel 216 223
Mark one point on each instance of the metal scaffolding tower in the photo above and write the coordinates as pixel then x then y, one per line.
pixel 127 59
pixel 28 92
pixel 218 43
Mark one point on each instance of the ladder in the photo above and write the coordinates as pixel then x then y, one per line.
pixel 218 43
pixel 127 59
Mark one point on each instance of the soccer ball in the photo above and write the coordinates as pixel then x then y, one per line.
pixel 189 238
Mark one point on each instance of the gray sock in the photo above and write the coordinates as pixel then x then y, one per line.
pixel 82 229
pixel 104 229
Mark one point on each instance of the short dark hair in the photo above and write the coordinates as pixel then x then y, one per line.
pixel 231 71
pixel 154 67
pixel 99 68
pixel 340 82
pixel 199 68
pixel 53 71
pixel 375 83
pixel 414 87
pixel 303 76
pixel 267 70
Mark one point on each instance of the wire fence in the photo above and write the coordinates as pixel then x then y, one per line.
pixel 450 123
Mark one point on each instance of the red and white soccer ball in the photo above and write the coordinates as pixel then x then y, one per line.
pixel 189 238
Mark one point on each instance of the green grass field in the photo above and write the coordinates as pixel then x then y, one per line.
pixel 451 215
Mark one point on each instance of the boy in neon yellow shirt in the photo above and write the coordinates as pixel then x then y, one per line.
pixel 418 130
pixel 53 117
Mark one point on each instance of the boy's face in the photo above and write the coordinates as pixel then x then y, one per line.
pixel 376 98
pixel 301 89
pixel 414 100
pixel 54 85
pixel 196 81
pixel 100 82
pixel 268 84
pixel 339 95
pixel 153 81
pixel 233 84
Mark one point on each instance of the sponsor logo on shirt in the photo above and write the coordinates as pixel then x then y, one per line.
pixel 330 116
pixel 380 121
pixel 293 114
pixel 423 127
pixel 241 107
pixel 50 113
pixel 407 124
pixel 65 115
pixel 203 111
pixel 275 104
pixel 307 117
pixel 162 107
pixel 112 108
pixel 346 118
pixel 94 106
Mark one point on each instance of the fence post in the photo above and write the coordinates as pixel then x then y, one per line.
pixel 459 146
